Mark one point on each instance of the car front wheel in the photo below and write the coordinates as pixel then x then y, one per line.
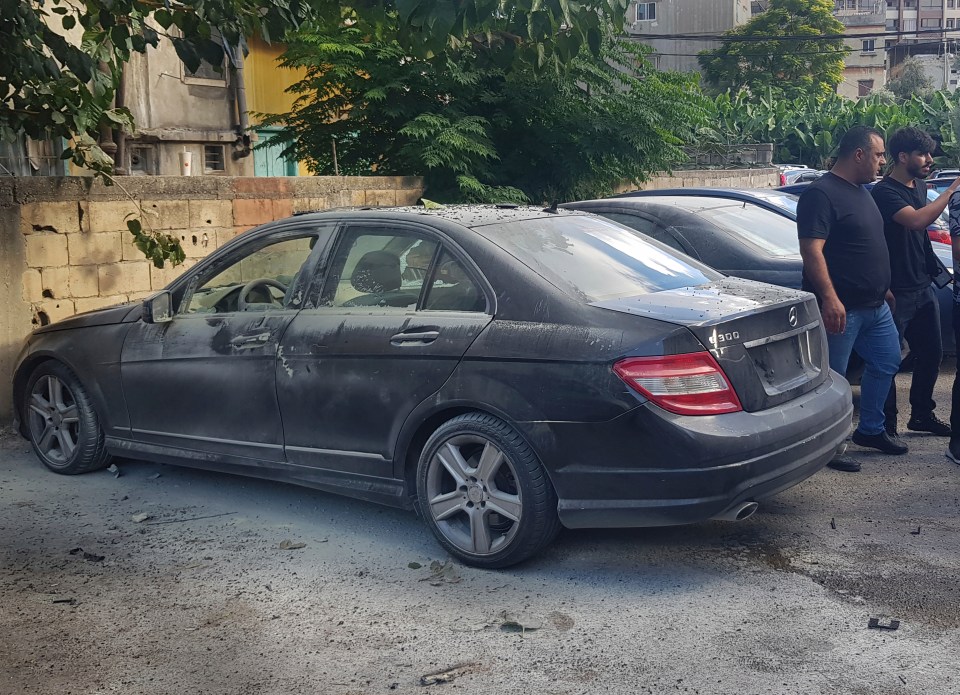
pixel 484 492
pixel 64 428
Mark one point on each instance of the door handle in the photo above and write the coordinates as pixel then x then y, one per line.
pixel 411 338
pixel 250 341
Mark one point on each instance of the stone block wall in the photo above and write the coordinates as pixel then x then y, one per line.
pixel 711 178
pixel 65 247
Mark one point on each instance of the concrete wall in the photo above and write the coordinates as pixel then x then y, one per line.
pixel 65 247
pixel 686 17
pixel 711 178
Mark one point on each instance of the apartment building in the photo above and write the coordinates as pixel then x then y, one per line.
pixel 866 65
pixel 670 17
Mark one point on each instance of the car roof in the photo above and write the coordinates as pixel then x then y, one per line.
pixel 469 216
pixel 768 198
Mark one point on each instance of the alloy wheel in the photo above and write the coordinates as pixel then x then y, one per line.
pixel 54 419
pixel 472 494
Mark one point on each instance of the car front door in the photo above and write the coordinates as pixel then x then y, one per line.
pixel 398 309
pixel 205 381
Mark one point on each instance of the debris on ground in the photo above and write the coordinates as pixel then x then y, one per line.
pixel 833 523
pixel 113 469
pixel 448 674
pixel 915 533
pixel 140 518
pixel 89 557
pixel 291 545
pixel 442 573
pixel 519 624
pixel 874 624
pixel 70 601
pixel 414 565
pixel 153 477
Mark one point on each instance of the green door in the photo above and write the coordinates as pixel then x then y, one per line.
pixel 267 158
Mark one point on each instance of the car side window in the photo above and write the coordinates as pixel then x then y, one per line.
pixel 379 268
pixel 648 227
pixel 452 289
pixel 263 280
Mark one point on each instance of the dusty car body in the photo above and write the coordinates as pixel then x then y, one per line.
pixel 502 371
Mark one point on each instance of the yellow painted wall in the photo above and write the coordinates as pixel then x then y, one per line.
pixel 266 81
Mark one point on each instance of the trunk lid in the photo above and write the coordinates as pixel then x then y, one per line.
pixel 768 340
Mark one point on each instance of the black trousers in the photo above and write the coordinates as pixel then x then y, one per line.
pixel 955 406
pixel 917 317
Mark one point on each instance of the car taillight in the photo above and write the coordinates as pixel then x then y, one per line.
pixel 688 384
pixel 941 235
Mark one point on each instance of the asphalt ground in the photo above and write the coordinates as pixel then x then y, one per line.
pixel 211 593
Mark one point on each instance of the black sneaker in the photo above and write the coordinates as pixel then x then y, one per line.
pixel 883 442
pixel 846 464
pixel 931 423
pixel 953 451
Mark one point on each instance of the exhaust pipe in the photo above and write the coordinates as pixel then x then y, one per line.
pixel 738 512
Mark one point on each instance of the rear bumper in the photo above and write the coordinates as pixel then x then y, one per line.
pixel 651 468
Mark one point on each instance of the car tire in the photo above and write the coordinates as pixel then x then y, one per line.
pixel 62 424
pixel 484 493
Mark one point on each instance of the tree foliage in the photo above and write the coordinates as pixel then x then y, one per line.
pixel 910 81
pixel 771 50
pixel 480 128
pixel 55 88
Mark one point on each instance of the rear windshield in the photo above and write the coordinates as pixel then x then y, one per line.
pixel 596 259
pixel 764 229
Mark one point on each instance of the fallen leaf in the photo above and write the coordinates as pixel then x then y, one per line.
pixel 414 565
pixel 140 518
pixel 290 545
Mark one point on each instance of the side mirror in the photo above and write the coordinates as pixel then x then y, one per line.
pixel 157 309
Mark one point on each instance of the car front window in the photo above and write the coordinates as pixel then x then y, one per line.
pixel 257 282
pixel 597 259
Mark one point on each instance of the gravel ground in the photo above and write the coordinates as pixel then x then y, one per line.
pixel 203 596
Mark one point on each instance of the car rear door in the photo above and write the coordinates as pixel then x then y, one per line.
pixel 400 305
pixel 205 381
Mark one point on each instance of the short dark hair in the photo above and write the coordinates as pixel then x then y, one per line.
pixel 857 138
pixel 909 140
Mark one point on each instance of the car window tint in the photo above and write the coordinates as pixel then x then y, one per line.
pixel 597 259
pixel 267 275
pixel 645 226
pixel 767 230
pixel 379 268
pixel 452 289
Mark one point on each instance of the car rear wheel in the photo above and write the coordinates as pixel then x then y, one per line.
pixel 484 492
pixel 64 428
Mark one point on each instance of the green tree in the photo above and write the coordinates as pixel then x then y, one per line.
pixel 480 129
pixel 911 80
pixel 783 47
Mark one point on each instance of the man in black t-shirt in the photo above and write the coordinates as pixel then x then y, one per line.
pixel 902 199
pixel 846 264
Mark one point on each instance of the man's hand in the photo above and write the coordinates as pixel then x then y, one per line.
pixel 834 315
pixel 891 300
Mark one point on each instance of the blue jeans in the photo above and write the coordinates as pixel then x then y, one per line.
pixel 873 334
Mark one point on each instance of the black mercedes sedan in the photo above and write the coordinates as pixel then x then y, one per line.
pixel 503 371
